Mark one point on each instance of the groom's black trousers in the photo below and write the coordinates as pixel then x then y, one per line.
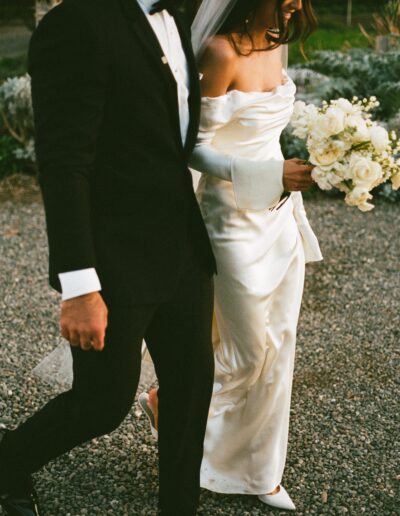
pixel 178 335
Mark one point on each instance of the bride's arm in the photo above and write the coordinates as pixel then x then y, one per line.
pixel 257 184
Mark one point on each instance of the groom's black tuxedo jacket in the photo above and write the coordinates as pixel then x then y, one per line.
pixel 112 167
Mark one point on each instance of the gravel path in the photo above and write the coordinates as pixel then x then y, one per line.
pixel 343 451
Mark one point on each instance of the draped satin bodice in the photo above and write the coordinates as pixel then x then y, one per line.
pixel 249 124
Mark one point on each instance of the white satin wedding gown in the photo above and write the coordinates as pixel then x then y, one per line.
pixel 258 290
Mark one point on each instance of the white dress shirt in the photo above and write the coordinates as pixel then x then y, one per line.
pixel 85 281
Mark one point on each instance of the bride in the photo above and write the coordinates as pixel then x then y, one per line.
pixel 252 206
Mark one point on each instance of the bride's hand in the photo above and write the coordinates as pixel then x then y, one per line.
pixel 297 175
pixel 84 321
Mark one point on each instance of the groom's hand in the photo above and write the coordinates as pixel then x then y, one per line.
pixel 297 175
pixel 84 321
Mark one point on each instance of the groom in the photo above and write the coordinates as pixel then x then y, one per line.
pixel 116 101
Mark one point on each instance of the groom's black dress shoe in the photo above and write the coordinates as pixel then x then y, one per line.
pixel 22 501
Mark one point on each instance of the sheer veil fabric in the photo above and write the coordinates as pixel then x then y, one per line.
pixel 209 19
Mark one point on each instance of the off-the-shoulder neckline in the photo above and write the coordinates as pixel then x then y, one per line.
pixel 267 93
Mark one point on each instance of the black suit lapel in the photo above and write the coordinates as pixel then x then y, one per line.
pixel 145 34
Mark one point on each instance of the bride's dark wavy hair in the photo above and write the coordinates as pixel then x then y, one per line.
pixel 300 27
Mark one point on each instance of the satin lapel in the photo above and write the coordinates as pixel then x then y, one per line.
pixel 144 32
pixel 194 97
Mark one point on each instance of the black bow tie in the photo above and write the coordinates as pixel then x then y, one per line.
pixel 160 6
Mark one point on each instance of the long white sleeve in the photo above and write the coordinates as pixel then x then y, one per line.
pixel 79 283
pixel 257 185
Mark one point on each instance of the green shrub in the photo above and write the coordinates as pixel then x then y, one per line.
pixel 8 162
pixel 360 72
pixel 12 66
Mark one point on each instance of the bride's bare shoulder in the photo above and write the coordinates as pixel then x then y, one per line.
pixel 218 66
pixel 220 47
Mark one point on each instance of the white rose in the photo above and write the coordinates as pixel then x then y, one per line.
pixel 327 153
pixel 359 197
pixel 379 138
pixel 365 172
pixel 333 121
pixel 362 133
pixel 396 181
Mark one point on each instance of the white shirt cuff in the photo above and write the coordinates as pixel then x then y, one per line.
pixel 79 283
pixel 258 185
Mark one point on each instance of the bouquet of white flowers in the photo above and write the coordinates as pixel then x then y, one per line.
pixel 350 151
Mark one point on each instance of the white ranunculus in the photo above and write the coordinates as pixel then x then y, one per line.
pixel 346 106
pixel 366 206
pixel 320 177
pixel 359 197
pixel 302 118
pixel 342 169
pixel 334 178
pixel 379 137
pixel 312 112
pixel 298 111
pixel 301 131
pixel 362 133
pixel 333 121
pixel 396 181
pixel 365 172
pixel 326 154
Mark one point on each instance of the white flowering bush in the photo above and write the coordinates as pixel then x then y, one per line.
pixel 360 71
pixel 17 116
pixel 349 150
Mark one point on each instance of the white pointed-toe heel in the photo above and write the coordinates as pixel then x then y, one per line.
pixel 145 406
pixel 280 500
